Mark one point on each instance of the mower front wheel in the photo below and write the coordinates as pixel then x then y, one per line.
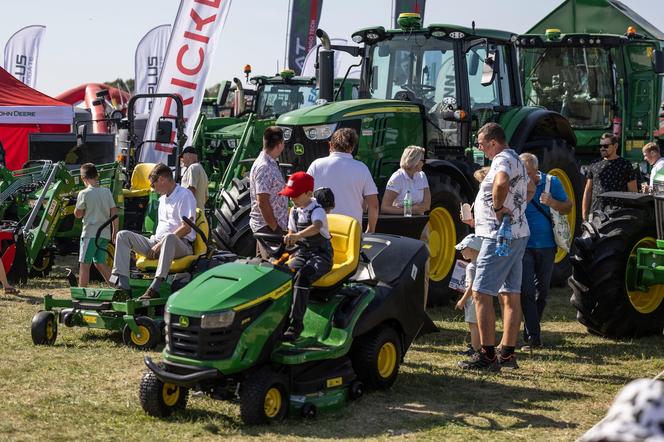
pixel 376 358
pixel 44 328
pixel 161 399
pixel 264 397
pixel 148 338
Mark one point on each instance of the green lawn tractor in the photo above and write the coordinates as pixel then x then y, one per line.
pixel 223 330
pixel 617 279
pixel 140 321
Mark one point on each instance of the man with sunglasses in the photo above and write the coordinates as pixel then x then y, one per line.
pixel 610 174
pixel 172 239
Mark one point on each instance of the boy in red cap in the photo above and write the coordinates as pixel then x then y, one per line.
pixel 307 226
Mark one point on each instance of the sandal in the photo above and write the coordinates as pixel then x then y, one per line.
pixel 12 291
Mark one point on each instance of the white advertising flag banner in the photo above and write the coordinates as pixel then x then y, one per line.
pixel 188 59
pixel 21 53
pixel 148 62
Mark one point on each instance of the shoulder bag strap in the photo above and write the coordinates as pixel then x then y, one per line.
pixel 542 211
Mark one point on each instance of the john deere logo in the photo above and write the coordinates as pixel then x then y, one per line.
pixel 183 321
pixel 298 149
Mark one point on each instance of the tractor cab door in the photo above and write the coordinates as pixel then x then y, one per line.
pixel 490 87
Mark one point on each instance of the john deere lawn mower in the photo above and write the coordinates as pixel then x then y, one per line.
pixel 224 329
pixel 141 321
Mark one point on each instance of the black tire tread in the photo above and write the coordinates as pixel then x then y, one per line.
pixel 364 357
pixel 38 328
pixel 252 395
pixel 151 400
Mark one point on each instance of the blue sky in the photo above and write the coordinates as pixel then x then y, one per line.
pixel 92 41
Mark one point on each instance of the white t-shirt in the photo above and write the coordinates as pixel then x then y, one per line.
pixel 172 208
pixel 318 214
pixel 486 223
pixel 655 168
pixel 400 182
pixel 349 180
pixel 195 176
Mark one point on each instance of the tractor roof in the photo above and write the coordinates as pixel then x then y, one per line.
pixel 596 16
pixel 277 79
pixel 462 32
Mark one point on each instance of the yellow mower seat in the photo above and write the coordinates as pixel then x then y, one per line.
pixel 181 264
pixel 140 181
pixel 345 232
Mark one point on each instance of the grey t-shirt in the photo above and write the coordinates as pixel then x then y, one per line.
pixel 97 203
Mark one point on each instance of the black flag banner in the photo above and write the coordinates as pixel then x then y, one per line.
pixel 304 19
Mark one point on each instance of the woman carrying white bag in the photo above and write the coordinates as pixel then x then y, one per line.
pixel 548 230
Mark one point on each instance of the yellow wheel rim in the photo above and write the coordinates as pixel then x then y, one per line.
pixel 387 360
pixel 645 302
pixel 50 329
pixel 109 256
pixel 571 217
pixel 170 393
pixel 273 401
pixel 141 339
pixel 42 264
pixel 442 238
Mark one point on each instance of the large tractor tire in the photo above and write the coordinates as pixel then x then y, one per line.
pixel 231 216
pixel 603 252
pixel 445 230
pixel 556 157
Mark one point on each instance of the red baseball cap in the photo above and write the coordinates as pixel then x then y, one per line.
pixel 298 183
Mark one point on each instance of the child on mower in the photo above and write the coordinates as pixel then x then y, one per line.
pixel 307 226
pixel 95 205
pixel 470 249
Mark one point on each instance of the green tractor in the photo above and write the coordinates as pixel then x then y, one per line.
pixel 242 142
pixel 223 330
pixel 618 268
pixel 433 86
pixel 597 63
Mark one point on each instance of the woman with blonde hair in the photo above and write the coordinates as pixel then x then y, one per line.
pixel 409 178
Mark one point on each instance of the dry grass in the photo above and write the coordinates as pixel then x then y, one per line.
pixel 86 387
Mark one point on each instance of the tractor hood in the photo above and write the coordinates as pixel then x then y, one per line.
pixel 340 110
pixel 235 285
pixel 232 131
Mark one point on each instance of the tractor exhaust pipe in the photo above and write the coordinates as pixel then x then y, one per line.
pixel 238 99
pixel 325 67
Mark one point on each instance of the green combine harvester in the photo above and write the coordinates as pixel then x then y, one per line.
pixel 431 86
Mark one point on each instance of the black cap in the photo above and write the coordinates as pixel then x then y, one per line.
pixel 188 149
pixel 325 197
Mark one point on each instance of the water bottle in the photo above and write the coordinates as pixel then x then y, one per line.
pixel 408 204
pixel 504 237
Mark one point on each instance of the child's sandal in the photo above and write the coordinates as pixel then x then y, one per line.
pixel 12 291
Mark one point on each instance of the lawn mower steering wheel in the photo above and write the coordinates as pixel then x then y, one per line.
pixel 274 243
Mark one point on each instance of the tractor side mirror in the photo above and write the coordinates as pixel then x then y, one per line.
pixel 474 64
pixel 81 134
pixel 658 61
pixel 489 68
pixel 163 132
pixel 374 78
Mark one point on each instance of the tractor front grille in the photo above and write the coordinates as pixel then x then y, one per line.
pixel 659 215
pixel 209 344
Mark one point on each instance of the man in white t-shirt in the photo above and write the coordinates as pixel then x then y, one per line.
pixel 653 156
pixel 194 177
pixel 172 239
pixel 350 179
pixel 505 191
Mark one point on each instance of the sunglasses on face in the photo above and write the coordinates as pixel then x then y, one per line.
pixel 605 146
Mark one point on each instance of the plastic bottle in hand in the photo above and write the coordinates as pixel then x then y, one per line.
pixel 408 204
pixel 504 237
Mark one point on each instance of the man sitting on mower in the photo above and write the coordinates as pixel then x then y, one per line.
pixel 172 239
pixel 307 225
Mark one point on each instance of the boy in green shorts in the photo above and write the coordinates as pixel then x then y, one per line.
pixel 95 205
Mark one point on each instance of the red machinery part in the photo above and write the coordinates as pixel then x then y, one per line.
pixel 87 93
pixel 8 249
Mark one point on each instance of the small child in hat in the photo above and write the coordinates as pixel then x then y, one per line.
pixel 307 226
pixel 325 198
pixel 470 249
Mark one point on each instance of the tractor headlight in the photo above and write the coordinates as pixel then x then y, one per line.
pixel 232 143
pixel 167 317
pixel 218 320
pixel 322 132
pixel 288 132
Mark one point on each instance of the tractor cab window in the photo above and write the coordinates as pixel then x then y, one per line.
pixel 483 98
pixel 277 99
pixel 577 82
pixel 421 70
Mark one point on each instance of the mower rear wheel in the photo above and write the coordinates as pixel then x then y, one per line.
pixel 44 328
pixel 161 399
pixel 264 397
pixel 376 358
pixel 148 338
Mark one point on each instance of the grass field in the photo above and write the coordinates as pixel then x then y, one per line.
pixel 86 387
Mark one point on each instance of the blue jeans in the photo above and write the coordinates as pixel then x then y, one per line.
pixel 537 270
pixel 499 274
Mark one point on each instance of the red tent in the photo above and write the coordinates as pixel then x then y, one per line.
pixel 24 110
